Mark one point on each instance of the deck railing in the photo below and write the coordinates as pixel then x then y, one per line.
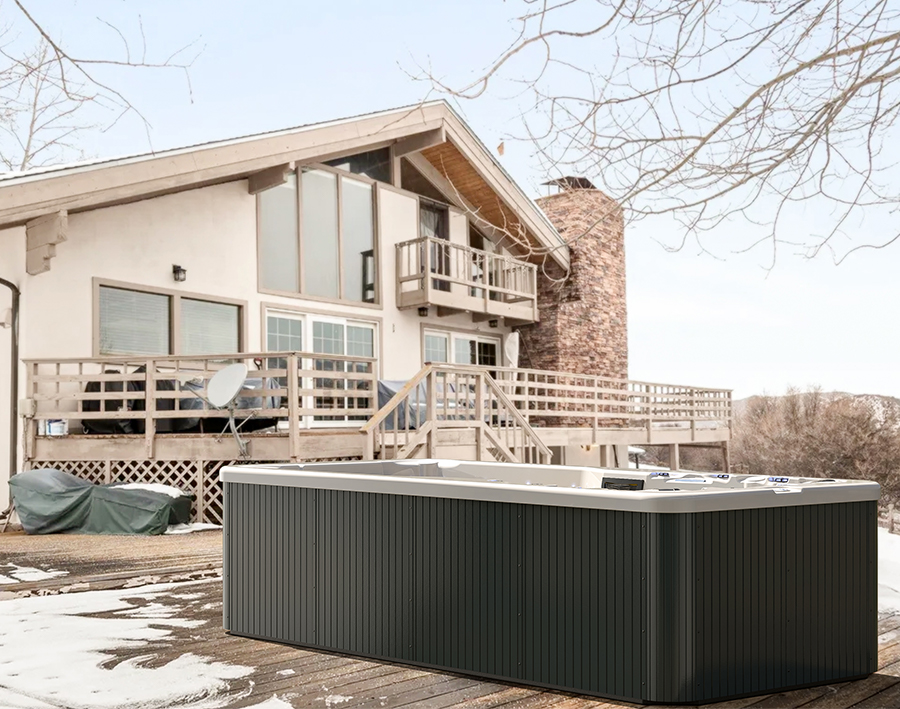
pixel 442 398
pixel 149 395
pixel 565 398
pixel 437 271
pixel 143 396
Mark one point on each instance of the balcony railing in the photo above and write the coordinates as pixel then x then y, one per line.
pixel 435 272
pixel 144 396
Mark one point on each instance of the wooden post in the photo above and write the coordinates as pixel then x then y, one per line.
pixel 486 280
pixel 426 280
pixel 693 414
pixel 399 270
pixel 890 518
pixel 431 409
pixel 200 486
pixel 293 407
pixel 479 413
pixel 149 406
pixel 674 457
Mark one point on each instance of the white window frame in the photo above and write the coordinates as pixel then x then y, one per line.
pixel 308 318
pixel 453 336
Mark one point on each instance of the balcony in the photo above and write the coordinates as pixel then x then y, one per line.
pixel 455 278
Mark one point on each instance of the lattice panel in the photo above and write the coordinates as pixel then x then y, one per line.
pixel 177 473
pixel 198 477
pixel 95 471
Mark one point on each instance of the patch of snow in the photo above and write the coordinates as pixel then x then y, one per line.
pixel 12 700
pixel 888 571
pixel 335 699
pixel 286 672
pixel 153 487
pixel 81 673
pixel 14 574
pixel 272 703
pixel 188 528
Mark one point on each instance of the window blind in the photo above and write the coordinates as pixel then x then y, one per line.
pixel 133 323
pixel 209 328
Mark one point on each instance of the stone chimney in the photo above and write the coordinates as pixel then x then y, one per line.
pixel 583 327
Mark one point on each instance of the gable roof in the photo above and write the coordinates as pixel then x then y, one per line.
pixel 104 182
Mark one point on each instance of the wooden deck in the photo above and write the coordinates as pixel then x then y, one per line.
pixel 304 678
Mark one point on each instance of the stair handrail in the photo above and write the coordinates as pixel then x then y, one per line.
pixel 545 453
pixel 396 400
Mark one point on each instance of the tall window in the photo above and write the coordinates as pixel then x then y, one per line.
pixel 135 322
pixel 317 236
pixel 375 164
pixel 324 335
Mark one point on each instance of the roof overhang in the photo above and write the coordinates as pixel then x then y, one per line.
pixel 91 185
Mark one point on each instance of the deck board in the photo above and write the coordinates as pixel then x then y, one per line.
pixel 308 678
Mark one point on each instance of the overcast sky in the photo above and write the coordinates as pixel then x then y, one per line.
pixel 693 319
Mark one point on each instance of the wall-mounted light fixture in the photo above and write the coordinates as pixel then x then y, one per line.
pixel 423 312
pixel 179 273
pixel 494 323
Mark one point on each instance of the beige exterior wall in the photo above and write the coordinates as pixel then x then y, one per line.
pixel 212 233
pixel 12 268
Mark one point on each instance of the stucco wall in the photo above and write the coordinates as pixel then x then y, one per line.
pixel 212 233
pixel 12 268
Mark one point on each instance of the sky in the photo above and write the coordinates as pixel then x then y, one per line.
pixel 695 319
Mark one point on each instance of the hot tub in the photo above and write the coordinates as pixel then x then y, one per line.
pixel 648 587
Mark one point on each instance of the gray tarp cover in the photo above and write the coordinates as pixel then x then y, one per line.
pixel 49 501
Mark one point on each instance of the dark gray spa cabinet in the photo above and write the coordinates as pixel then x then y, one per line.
pixel 636 586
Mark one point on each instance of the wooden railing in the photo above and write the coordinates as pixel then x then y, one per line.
pixel 144 396
pixel 149 395
pixel 564 398
pixel 446 397
pixel 435 270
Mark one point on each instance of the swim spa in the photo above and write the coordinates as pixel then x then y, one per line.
pixel 648 587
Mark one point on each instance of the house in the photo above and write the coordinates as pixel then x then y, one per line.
pixel 336 260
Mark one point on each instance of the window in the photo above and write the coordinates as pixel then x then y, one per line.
pixel 134 322
pixel 287 332
pixel 319 234
pixel 279 250
pixel 466 349
pixel 325 247
pixel 436 347
pixel 374 164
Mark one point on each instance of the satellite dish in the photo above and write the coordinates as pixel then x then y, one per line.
pixel 226 384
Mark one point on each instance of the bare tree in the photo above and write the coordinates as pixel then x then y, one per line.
pixel 49 95
pixel 710 110
pixel 821 435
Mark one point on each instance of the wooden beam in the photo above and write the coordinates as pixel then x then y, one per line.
pixel 38 260
pixel 266 179
pixel 49 229
pixel 419 141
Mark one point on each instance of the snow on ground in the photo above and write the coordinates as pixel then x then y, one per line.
pixel 272 702
pixel 153 487
pixel 54 654
pixel 188 528
pixel 888 571
pixel 11 573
